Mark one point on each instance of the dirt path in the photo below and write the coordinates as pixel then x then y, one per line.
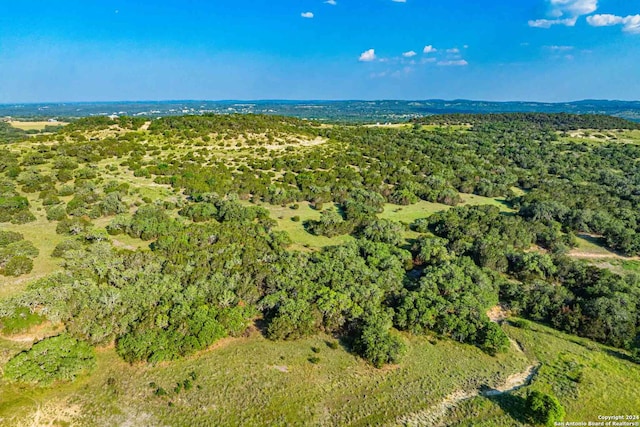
pixel 611 255
pixel 514 382
pixel 435 416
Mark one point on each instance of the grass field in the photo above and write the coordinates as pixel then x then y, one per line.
pixel 254 381
pixel 302 240
pixel 588 379
pixel 42 233
pixel 34 125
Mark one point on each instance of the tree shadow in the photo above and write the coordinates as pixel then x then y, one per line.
pixel 618 354
pixel 598 241
pixel 261 324
pixel 512 405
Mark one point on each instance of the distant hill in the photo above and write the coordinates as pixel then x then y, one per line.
pixel 348 111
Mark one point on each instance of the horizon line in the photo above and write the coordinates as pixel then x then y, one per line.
pixel 284 100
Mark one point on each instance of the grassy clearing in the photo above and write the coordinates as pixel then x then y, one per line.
pixel 253 381
pixel 597 137
pixel 302 240
pixel 408 214
pixel 42 234
pixel 591 245
pixel 34 125
pixel 589 380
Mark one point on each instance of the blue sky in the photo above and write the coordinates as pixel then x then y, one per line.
pixel 538 50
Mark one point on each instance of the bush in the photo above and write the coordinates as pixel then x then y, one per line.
pixel 59 358
pixel 64 175
pixel 65 246
pixel 8 237
pixel 86 173
pixel 73 226
pixel 493 340
pixel 118 225
pixel 66 190
pixel 18 265
pixel 376 344
pixel 56 213
pixel 544 409
pixel 23 217
pixel 22 248
pixel 520 323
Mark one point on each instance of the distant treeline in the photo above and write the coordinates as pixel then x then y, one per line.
pixel 556 121
pixel 10 134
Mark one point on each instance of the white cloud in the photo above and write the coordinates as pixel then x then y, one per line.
pixel 548 23
pixel 402 73
pixel 409 54
pixel 307 15
pixel 368 56
pixel 572 7
pixel 399 1
pixel 559 48
pixel 565 12
pixel 429 49
pixel 453 50
pixel 378 75
pixel 331 2
pixel 630 24
pixel 453 63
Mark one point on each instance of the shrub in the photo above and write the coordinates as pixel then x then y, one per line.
pixel 59 358
pixel 18 265
pixel 22 248
pixel 86 173
pixel 65 246
pixel 73 226
pixel 493 340
pixel 23 217
pixel 56 213
pixel 376 343
pixel 64 175
pixel 544 409
pixel 8 237
pixel 118 225
pixel 520 323
pixel 66 190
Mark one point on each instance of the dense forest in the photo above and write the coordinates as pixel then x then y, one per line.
pixel 217 262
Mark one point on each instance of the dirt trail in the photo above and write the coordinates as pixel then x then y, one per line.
pixel 514 382
pixel 611 255
pixel 435 416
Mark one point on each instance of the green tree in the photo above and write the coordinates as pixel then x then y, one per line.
pixel 544 409
pixel 52 359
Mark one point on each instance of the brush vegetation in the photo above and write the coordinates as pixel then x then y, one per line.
pixel 204 256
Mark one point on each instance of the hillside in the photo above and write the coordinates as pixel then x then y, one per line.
pixel 263 269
